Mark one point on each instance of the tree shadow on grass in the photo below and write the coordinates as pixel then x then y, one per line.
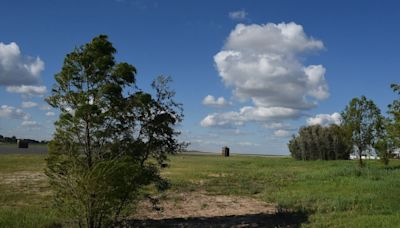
pixel 282 219
pixel 395 167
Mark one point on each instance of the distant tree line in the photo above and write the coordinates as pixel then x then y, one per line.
pixel 13 139
pixel 363 128
pixel 320 143
pixel 5 139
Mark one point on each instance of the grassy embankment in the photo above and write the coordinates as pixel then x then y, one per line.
pixel 333 193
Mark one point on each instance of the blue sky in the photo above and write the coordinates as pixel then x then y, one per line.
pixel 274 65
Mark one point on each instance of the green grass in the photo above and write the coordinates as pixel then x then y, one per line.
pixel 21 162
pixel 25 199
pixel 333 193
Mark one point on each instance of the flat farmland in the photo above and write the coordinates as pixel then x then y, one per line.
pixel 207 190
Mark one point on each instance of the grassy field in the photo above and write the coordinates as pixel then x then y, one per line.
pixel 332 193
pixel 25 199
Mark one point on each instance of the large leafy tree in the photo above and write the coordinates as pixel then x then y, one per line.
pixel 363 119
pixel 111 138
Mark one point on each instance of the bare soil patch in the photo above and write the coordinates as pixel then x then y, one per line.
pixel 199 204
pixel 198 209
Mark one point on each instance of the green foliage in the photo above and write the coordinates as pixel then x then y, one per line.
pixel 385 145
pixel 111 137
pixel 384 152
pixel 363 119
pixel 320 143
pixel 394 113
pixel 389 137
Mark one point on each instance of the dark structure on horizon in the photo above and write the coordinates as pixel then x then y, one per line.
pixel 22 143
pixel 225 151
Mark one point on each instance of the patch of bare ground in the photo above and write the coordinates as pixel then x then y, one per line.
pixel 197 209
pixel 199 204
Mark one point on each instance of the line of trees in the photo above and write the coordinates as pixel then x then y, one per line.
pixel 363 128
pixel 320 143
pixel 5 139
pixel 13 139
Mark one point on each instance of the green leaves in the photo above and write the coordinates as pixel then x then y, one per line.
pixel 124 73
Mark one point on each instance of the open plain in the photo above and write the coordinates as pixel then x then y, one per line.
pixel 241 191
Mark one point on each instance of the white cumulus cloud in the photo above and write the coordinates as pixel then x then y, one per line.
pixel 325 119
pixel 281 133
pixel 28 104
pixel 30 124
pixel 11 112
pixel 277 125
pixel 238 15
pixel 30 90
pixel 16 69
pixel 226 119
pixel 50 114
pixel 261 63
pixel 264 64
pixel 219 102
pixel 44 107
pixel 249 114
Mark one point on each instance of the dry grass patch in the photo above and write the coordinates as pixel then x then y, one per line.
pixel 199 204
pixel 24 188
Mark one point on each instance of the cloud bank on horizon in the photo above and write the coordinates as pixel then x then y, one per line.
pixel 263 64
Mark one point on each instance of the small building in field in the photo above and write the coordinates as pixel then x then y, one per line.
pixel 225 151
pixel 364 156
pixel 22 143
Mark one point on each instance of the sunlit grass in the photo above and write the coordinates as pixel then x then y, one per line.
pixel 334 193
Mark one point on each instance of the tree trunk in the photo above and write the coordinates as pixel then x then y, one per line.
pixel 88 149
pixel 360 163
